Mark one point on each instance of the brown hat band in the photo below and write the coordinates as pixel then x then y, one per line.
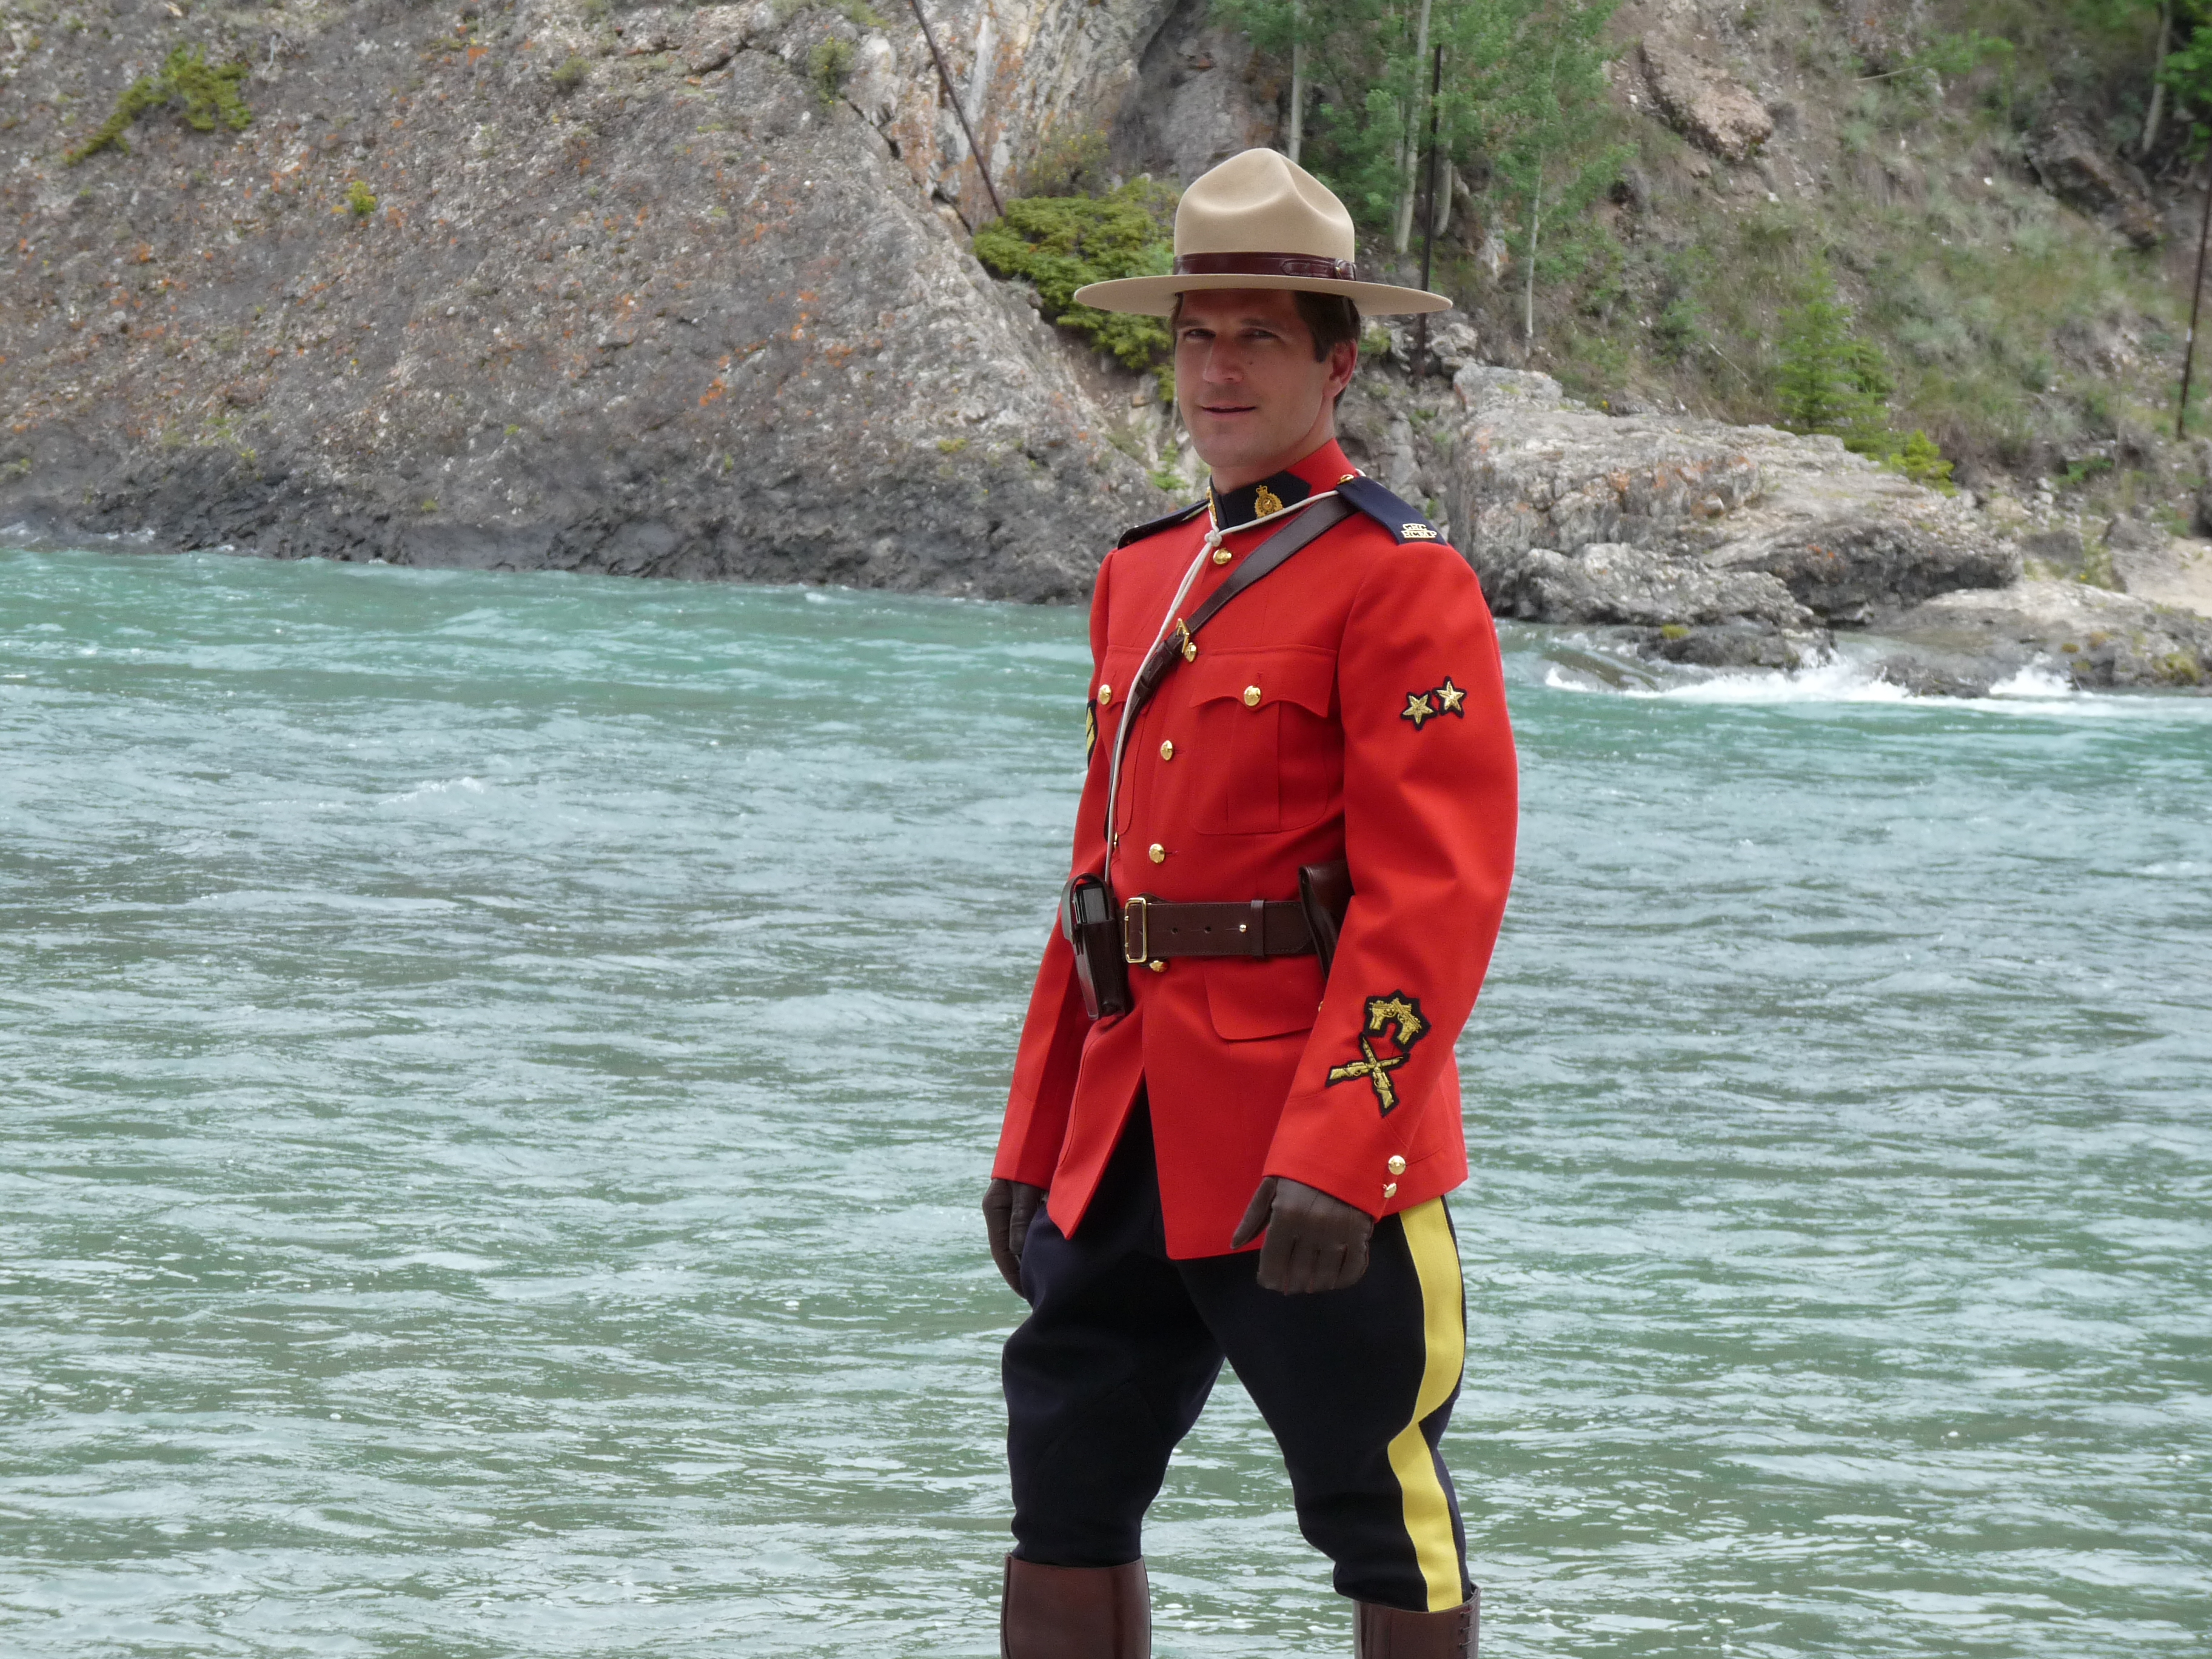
pixel 1263 265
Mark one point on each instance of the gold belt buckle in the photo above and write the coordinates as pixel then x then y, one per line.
pixel 1140 907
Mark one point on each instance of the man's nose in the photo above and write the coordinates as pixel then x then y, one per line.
pixel 1222 366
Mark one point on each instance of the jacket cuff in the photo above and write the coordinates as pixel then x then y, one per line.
pixel 1365 1166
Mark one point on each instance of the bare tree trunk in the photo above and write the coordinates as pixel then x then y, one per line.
pixel 1297 87
pixel 2156 118
pixel 1409 148
pixel 1536 209
pixel 1528 275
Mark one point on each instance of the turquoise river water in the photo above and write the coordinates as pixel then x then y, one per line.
pixel 497 1072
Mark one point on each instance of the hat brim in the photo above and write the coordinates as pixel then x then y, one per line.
pixel 1155 296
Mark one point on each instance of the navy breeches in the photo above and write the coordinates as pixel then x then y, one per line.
pixel 1121 1347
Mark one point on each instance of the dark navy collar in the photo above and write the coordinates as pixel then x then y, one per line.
pixel 1241 507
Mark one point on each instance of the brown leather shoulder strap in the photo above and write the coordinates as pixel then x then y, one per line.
pixel 1266 559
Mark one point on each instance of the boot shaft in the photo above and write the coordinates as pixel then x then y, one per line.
pixel 1393 1633
pixel 1075 1613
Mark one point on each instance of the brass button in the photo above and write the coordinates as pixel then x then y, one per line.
pixel 1397 1164
pixel 1157 966
pixel 1157 852
pixel 1105 695
pixel 1167 749
pixel 1251 697
pixel 1190 650
pixel 1390 1189
pixel 1221 555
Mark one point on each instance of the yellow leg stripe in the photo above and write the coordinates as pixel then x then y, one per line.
pixel 1428 1516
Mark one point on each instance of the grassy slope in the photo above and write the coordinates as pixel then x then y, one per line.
pixel 2028 340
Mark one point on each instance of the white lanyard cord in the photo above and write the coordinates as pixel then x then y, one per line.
pixel 1205 548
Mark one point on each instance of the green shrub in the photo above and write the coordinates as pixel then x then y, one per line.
pixel 573 72
pixel 1057 243
pixel 827 66
pixel 1068 164
pixel 1920 460
pixel 360 199
pixel 209 92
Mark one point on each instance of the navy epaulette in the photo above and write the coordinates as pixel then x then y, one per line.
pixel 1404 523
pixel 1182 515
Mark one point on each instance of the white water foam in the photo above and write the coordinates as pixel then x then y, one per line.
pixel 1833 681
pixel 2040 688
pixel 473 786
pixel 2036 680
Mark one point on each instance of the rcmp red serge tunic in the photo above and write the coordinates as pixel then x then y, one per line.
pixel 1349 705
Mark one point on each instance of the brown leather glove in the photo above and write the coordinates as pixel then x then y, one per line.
pixel 1009 1207
pixel 1315 1243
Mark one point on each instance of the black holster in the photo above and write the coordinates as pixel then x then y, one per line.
pixel 1090 921
pixel 1325 894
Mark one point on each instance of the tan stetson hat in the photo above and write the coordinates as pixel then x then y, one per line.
pixel 1260 220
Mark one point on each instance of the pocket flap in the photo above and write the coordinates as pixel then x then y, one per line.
pixel 1118 670
pixel 1305 677
pixel 1264 999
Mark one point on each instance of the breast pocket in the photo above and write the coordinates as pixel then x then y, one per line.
pixel 1265 750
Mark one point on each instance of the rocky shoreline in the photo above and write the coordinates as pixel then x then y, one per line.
pixel 1690 542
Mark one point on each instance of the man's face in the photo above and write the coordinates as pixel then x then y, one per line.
pixel 1251 394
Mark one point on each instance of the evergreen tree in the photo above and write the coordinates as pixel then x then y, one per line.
pixel 1522 102
pixel 1832 381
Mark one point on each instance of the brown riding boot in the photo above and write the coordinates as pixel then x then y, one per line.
pixel 1393 1633
pixel 1075 1613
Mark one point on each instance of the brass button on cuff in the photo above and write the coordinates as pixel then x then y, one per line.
pixel 1167 749
pixel 1251 697
pixel 1397 1164
pixel 1158 853
pixel 1390 1189
pixel 1105 695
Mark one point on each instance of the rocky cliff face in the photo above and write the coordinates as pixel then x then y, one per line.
pixel 674 293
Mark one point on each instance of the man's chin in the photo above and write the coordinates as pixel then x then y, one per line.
pixel 1232 443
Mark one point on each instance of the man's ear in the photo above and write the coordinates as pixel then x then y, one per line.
pixel 1343 359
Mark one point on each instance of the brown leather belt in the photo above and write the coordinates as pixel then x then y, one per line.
pixel 1152 930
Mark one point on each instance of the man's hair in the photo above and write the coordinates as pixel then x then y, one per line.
pixel 1331 318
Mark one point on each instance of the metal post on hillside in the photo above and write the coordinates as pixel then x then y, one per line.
pixel 2196 304
pixel 953 93
pixel 1429 228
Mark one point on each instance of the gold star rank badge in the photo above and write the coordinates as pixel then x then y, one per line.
pixel 1422 707
pixel 1396 1011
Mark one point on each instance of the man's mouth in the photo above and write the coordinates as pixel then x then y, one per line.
pixel 1229 408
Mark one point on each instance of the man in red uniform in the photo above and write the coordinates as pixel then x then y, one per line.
pixel 1238 1146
